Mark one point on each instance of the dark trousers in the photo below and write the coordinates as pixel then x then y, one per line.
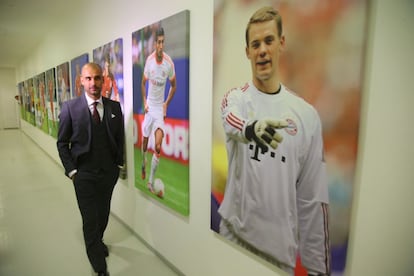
pixel 94 192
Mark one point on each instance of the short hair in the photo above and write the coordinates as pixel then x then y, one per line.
pixel 159 32
pixel 265 14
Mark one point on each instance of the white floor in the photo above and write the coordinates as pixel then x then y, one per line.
pixel 40 226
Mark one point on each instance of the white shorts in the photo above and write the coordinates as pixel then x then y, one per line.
pixel 153 120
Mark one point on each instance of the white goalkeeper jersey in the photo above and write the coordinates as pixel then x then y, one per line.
pixel 157 74
pixel 276 200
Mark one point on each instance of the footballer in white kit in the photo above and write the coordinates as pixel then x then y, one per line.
pixel 159 67
pixel 276 200
pixel 156 74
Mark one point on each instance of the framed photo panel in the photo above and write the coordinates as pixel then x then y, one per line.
pixel 30 111
pixel 63 84
pixel 40 102
pixel 76 67
pixel 51 102
pixel 20 87
pixel 110 58
pixel 316 55
pixel 160 57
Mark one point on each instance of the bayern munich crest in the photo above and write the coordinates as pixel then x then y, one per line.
pixel 292 128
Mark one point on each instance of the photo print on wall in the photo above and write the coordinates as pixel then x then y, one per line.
pixel 160 58
pixel 110 57
pixel 30 111
pixel 76 65
pixel 63 84
pixel 22 100
pixel 319 54
pixel 40 102
pixel 51 102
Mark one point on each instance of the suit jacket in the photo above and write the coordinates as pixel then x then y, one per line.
pixel 75 128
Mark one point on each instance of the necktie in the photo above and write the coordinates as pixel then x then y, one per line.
pixel 95 114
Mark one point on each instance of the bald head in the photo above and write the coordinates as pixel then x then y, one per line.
pixel 91 79
pixel 91 66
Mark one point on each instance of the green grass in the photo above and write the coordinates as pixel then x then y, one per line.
pixel 30 118
pixel 175 177
pixel 53 128
pixel 45 124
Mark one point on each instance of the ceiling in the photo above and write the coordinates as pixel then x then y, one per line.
pixel 24 24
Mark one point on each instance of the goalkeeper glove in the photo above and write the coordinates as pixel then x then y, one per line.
pixel 263 132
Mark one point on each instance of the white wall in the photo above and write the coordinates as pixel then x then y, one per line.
pixel 381 241
pixel 9 108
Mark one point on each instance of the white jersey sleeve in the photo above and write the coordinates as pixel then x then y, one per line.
pixel 312 205
pixel 234 123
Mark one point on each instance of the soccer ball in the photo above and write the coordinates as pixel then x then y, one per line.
pixel 159 188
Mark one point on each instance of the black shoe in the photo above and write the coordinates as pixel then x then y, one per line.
pixel 105 273
pixel 106 250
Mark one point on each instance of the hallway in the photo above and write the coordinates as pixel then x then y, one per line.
pixel 40 224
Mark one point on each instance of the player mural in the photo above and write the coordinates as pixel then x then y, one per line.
pixel 285 129
pixel 30 110
pixel 63 84
pixel 26 100
pixel 22 100
pixel 76 66
pixel 40 102
pixel 110 58
pixel 160 57
pixel 51 102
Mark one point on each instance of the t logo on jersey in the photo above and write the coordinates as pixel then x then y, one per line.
pixel 260 149
pixel 257 149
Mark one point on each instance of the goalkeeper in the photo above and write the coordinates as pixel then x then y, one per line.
pixel 276 198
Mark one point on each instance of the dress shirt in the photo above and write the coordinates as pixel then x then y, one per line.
pixel 99 106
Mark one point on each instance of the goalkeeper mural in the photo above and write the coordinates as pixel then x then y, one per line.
pixel 276 198
pixel 320 55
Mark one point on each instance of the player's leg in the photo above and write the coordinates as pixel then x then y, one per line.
pixel 144 155
pixel 146 130
pixel 159 134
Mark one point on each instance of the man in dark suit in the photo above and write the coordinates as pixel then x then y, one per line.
pixel 90 144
